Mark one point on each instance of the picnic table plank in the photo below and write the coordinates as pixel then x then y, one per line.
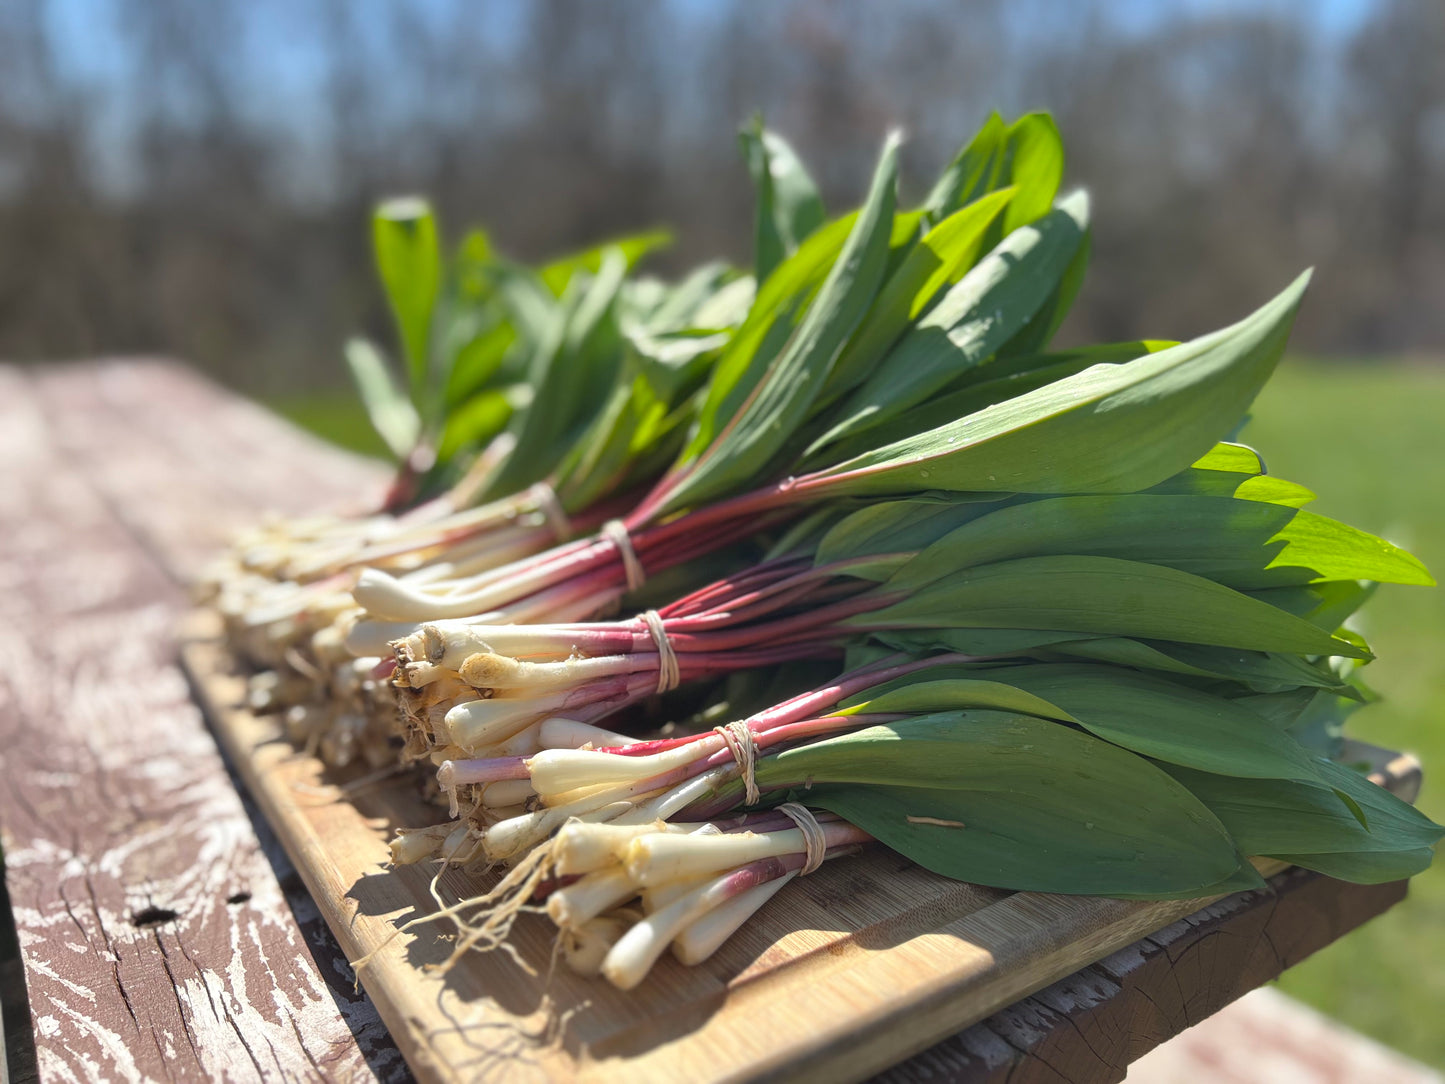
pixel 118 810
pixel 1089 1027
pixel 161 936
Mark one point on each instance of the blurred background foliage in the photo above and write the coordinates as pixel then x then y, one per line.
pixel 195 179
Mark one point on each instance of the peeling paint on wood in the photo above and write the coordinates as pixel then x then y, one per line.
pixel 165 934
pixel 162 936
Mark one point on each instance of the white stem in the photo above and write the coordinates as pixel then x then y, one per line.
pixel 521 744
pixel 559 733
pixel 376 637
pixel 451 643
pixel 657 897
pixel 506 792
pixel 584 900
pixel 479 723
pixel 664 805
pixel 492 671
pixel 658 858
pixel 555 771
pixel 707 934
pixel 518 834
pixel 632 956
pixel 584 846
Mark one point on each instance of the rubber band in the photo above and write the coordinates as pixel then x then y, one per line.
pixel 551 508
pixel 813 838
pixel 742 743
pixel 669 672
pixel 615 531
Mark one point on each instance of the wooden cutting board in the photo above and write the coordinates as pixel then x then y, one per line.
pixel 843 973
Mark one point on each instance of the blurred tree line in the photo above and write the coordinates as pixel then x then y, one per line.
pixel 194 178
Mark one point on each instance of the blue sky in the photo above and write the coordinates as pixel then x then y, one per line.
pixel 282 50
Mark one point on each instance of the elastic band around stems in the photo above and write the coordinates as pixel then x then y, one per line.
pixel 615 531
pixel 669 671
pixel 813 838
pixel 742 743
pixel 551 508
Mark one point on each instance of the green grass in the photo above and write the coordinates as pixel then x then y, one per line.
pixel 1369 438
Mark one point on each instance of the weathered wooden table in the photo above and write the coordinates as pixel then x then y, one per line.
pixel 162 932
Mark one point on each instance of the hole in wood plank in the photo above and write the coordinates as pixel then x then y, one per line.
pixel 238 898
pixel 152 916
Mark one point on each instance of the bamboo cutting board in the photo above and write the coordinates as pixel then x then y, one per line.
pixel 843 973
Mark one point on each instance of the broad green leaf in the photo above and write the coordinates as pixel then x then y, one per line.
pixel 1246 487
pixel 1146 715
pixel 408 259
pixel 1235 458
pixel 1044 807
pixel 387 406
pixel 1001 379
pixel 1337 601
pixel 780 303
pixel 475 422
pixel 1241 544
pixel 728 306
pixel 1256 670
pixel 984 310
pixel 788 207
pixel 572 373
pixel 987 643
pixel 1038 841
pixel 894 527
pixel 1034 162
pixel 478 361
pixel 1040 328
pixel 1109 429
pixel 1366 867
pixel 1246 878
pixel 558 274
pixel 1281 709
pixel 1276 816
pixel 951 690
pixel 781 400
pixel 972 173
pixel 678 307
pixel 1166 721
pixel 941 258
pixel 472 265
pixel 1102 595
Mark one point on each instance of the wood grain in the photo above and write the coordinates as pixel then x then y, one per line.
pixel 116 812
pixel 843 974
pixel 162 936
pixel 1089 1027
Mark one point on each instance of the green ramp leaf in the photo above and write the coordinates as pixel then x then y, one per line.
pixel 1101 595
pixel 387 406
pixel 983 311
pixel 783 397
pixel 1109 429
pixel 941 257
pixel 408 259
pixel 1241 544
pixel 788 206
pixel 1277 816
pixel 1071 813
